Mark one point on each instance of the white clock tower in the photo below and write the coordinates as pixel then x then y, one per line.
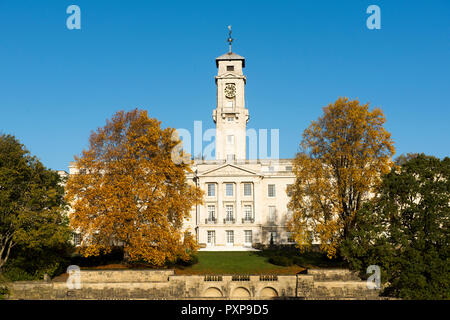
pixel 230 115
pixel 246 202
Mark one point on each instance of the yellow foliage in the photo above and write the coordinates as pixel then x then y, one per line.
pixel 129 192
pixel 343 156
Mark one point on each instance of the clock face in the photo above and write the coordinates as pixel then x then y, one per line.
pixel 230 90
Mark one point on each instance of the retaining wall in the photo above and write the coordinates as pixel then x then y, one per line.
pixel 164 284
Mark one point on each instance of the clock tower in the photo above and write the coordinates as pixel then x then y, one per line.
pixel 230 115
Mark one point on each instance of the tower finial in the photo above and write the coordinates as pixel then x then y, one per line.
pixel 230 39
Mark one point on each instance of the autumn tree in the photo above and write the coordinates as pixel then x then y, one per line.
pixel 32 206
pixel 341 160
pixel 129 192
pixel 405 230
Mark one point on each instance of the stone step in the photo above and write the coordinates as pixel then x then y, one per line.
pixel 343 290
pixel 341 284
pixel 333 275
pixel 136 276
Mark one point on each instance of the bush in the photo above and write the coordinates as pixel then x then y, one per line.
pixel 281 261
pixel 299 261
pixel 115 256
pixel 31 263
pixel 3 292
pixel 17 274
pixel 52 270
pixel 192 260
pixel 3 288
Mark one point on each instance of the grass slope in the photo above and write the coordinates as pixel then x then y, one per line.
pixel 235 263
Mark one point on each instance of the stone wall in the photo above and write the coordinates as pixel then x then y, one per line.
pixel 339 284
pixel 333 275
pixel 164 284
pixel 113 276
pixel 98 291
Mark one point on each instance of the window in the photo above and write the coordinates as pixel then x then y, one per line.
pixel 289 237
pixel 273 236
pixel 231 157
pixel 211 190
pixel 248 236
pixel 230 68
pixel 288 168
pixel 247 189
pixel 271 169
pixel 271 190
pixel 211 237
pixel 230 139
pixel 229 189
pixel 248 212
pixel 230 119
pixel 211 213
pixel 229 212
pixel 230 237
pixel 272 213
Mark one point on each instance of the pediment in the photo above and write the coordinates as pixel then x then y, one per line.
pixel 228 170
pixel 230 75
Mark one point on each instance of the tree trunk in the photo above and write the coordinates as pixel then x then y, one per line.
pixel 4 258
pixel 126 256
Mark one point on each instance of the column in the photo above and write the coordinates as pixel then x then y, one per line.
pixel 238 202
pixel 219 203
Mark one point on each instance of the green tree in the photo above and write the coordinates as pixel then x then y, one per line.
pixel 31 204
pixel 405 230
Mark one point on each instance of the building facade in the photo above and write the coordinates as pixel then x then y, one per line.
pixel 245 199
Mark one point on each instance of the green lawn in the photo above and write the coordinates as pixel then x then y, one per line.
pixel 235 263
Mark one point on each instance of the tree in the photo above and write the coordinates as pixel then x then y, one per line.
pixel 404 230
pixel 31 202
pixel 128 192
pixel 341 160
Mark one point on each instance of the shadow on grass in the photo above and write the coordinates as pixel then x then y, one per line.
pixel 287 256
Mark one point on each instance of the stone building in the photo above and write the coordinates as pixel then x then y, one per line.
pixel 245 199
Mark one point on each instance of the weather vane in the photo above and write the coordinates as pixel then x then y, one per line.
pixel 230 39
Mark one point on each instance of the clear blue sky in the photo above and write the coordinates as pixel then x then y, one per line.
pixel 56 85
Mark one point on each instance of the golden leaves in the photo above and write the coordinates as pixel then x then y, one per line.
pixel 343 156
pixel 129 191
